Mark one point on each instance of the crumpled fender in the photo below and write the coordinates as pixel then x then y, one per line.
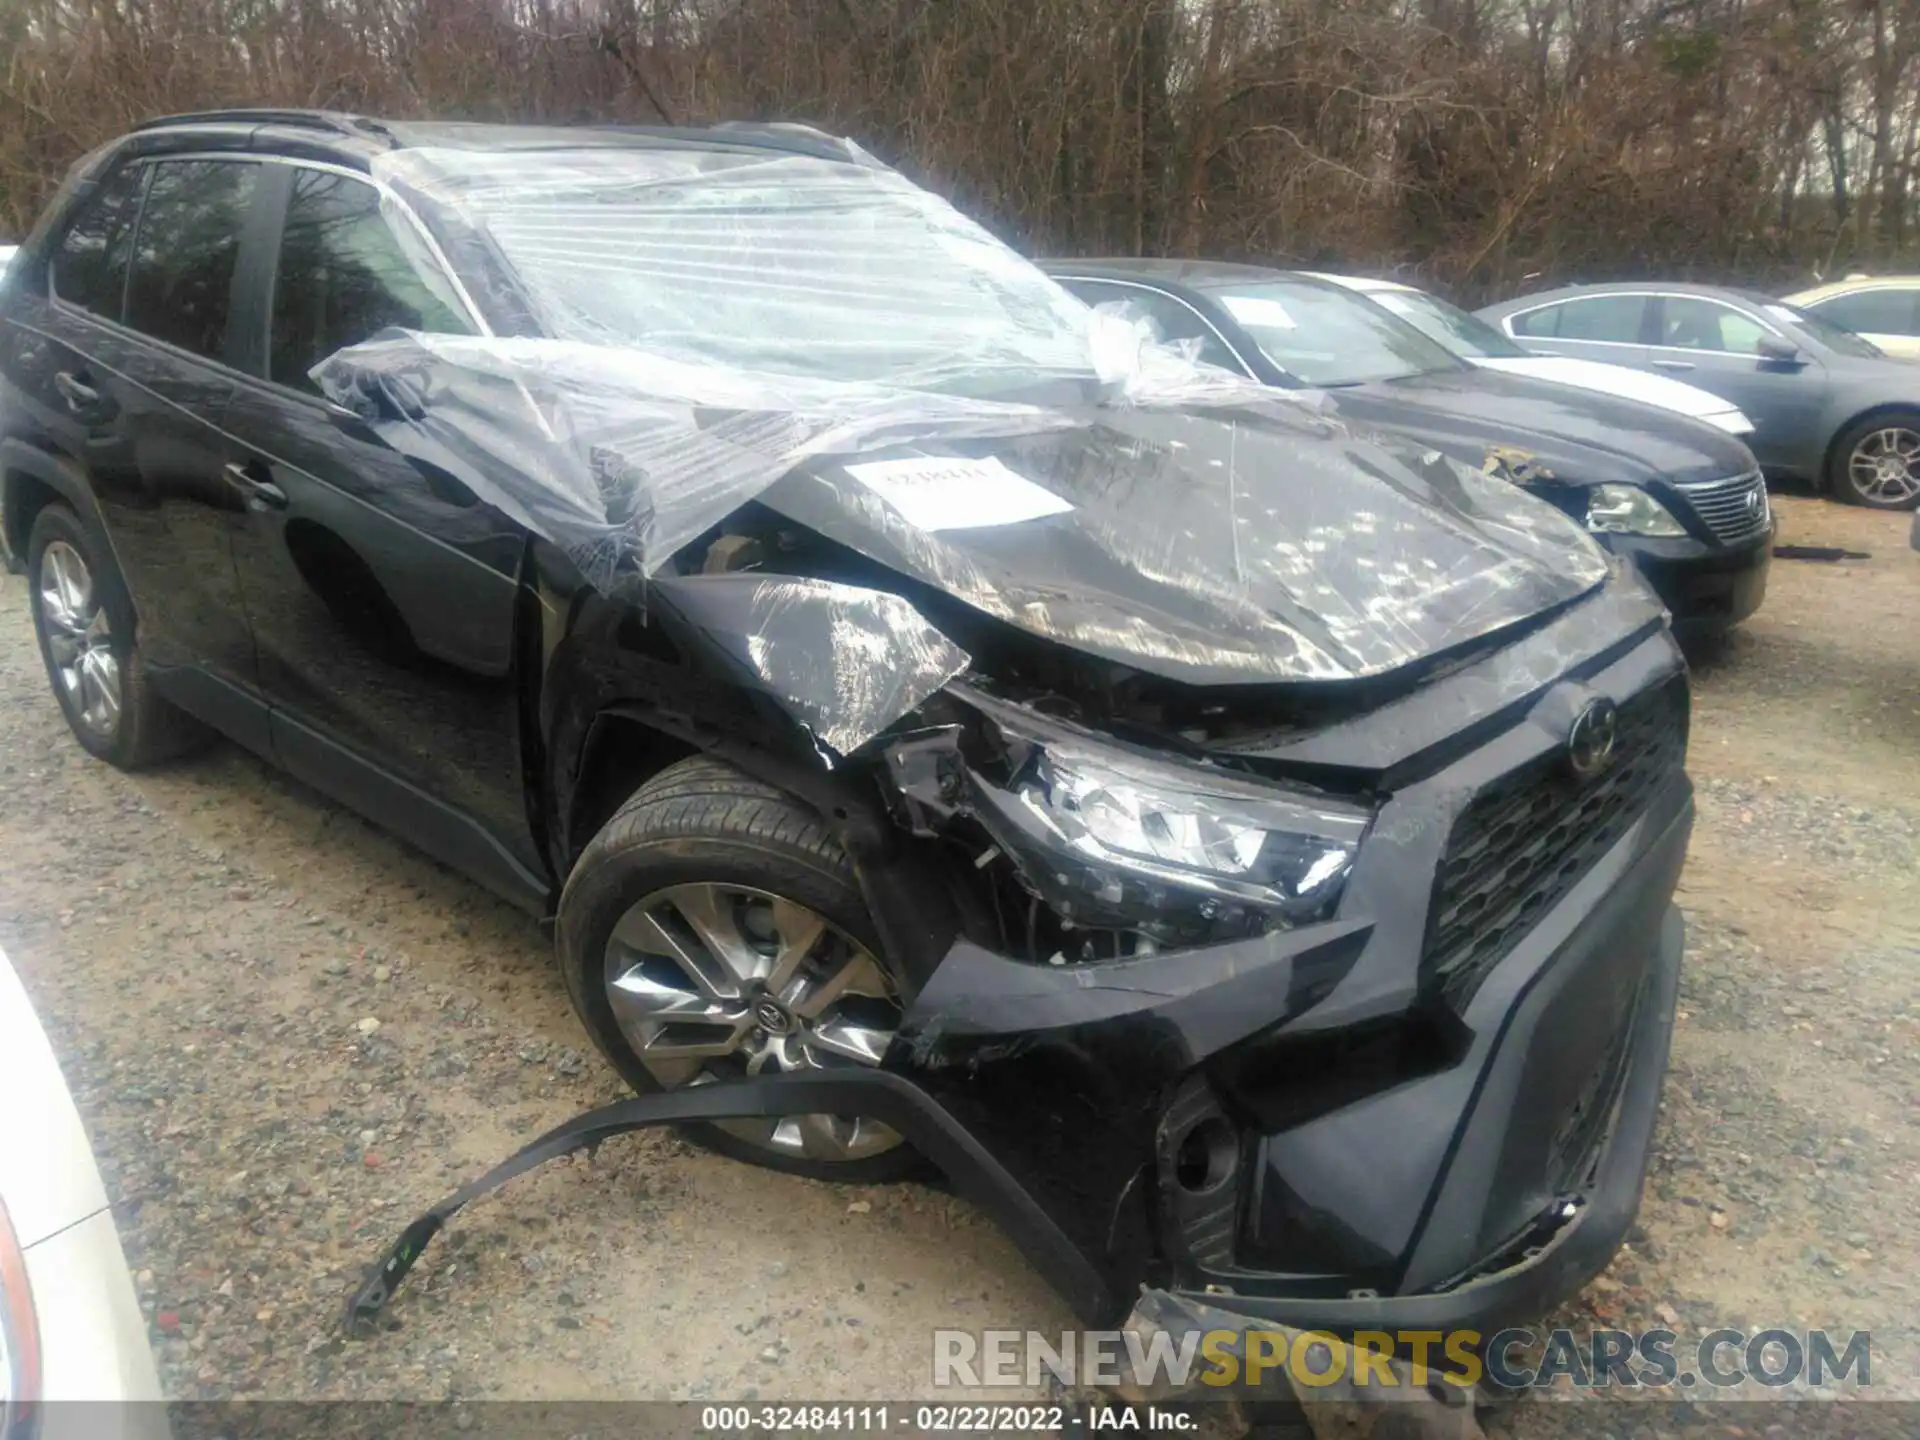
pixel 843 661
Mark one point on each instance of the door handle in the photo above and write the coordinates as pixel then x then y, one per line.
pixel 1673 365
pixel 78 394
pixel 246 479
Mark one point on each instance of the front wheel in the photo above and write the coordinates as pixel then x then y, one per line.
pixel 713 929
pixel 1876 462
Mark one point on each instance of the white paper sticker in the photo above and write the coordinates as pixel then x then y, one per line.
pixel 1258 310
pixel 951 493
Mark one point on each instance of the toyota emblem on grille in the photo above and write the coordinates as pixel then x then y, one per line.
pixel 1753 502
pixel 1590 742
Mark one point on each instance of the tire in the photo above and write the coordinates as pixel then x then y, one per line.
pixel 705 826
pixel 1870 444
pixel 143 729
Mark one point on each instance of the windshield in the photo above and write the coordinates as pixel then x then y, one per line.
pixel 1835 337
pixel 795 265
pixel 1451 326
pixel 1324 336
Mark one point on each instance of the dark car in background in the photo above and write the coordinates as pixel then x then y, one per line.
pixel 1828 408
pixel 1680 496
pixel 1240 852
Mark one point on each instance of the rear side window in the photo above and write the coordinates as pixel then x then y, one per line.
pixel 1611 318
pixel 343 277
pixel 90 267
pixel 186 249
pixel 1873 312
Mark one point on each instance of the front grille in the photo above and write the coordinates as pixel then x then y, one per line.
pixel 1524 841
pixel 1735 509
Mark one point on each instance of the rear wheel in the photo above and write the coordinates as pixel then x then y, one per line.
pixel 85 625
pixel 713 930
pixel 1876 463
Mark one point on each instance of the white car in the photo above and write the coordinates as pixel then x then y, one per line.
pixel 1478 343
pixel 70 1324
pixel 1883 310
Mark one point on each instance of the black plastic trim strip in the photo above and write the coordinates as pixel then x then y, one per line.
pixel 871 1094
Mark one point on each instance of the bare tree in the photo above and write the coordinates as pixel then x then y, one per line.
pixel 1472 143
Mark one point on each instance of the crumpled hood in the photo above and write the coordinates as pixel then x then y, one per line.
pixel 1572 436
pixel 1223 533
pixel 1212 548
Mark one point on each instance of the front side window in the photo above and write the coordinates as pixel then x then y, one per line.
pixel 90 267
pixel 181 289
pixel 1324 335
pixel 343 277
pixel 1873 312
pixel 1612 319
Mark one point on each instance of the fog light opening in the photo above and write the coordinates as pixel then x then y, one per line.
pixel 1204 1159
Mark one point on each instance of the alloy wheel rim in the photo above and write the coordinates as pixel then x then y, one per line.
pixel 710 982
pixel 1885 465
pixel 79 638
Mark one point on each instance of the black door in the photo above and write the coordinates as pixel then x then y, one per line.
pixel 382 600
pixel 128 382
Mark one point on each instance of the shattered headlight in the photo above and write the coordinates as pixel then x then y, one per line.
pixel 1111 837
pixel 1629 510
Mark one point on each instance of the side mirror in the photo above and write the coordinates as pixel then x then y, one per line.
pixel 352 424
pixel 396 398
pixel 1783 352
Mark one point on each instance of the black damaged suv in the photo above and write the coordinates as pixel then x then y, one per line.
pixel 945 725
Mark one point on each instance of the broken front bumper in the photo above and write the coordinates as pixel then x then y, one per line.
pixel 1532 1279
pixel 1303 1128
pixel 1132 1108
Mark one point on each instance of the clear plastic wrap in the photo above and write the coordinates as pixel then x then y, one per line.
pixel 618 455
pixel 842 660
pixel 718 325
pixel 710 318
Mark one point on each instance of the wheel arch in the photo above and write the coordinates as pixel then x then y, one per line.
pixel 1840 432
pixel 620 701
pixel 31 480
pixel 618 753
pixel 914 908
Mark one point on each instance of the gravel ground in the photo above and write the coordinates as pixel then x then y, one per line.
pixel 288 1034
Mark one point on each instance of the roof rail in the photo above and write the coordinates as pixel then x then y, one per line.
pixel 795 140
pixel 336 121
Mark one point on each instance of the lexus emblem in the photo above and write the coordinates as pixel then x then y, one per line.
pixel 1590 742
